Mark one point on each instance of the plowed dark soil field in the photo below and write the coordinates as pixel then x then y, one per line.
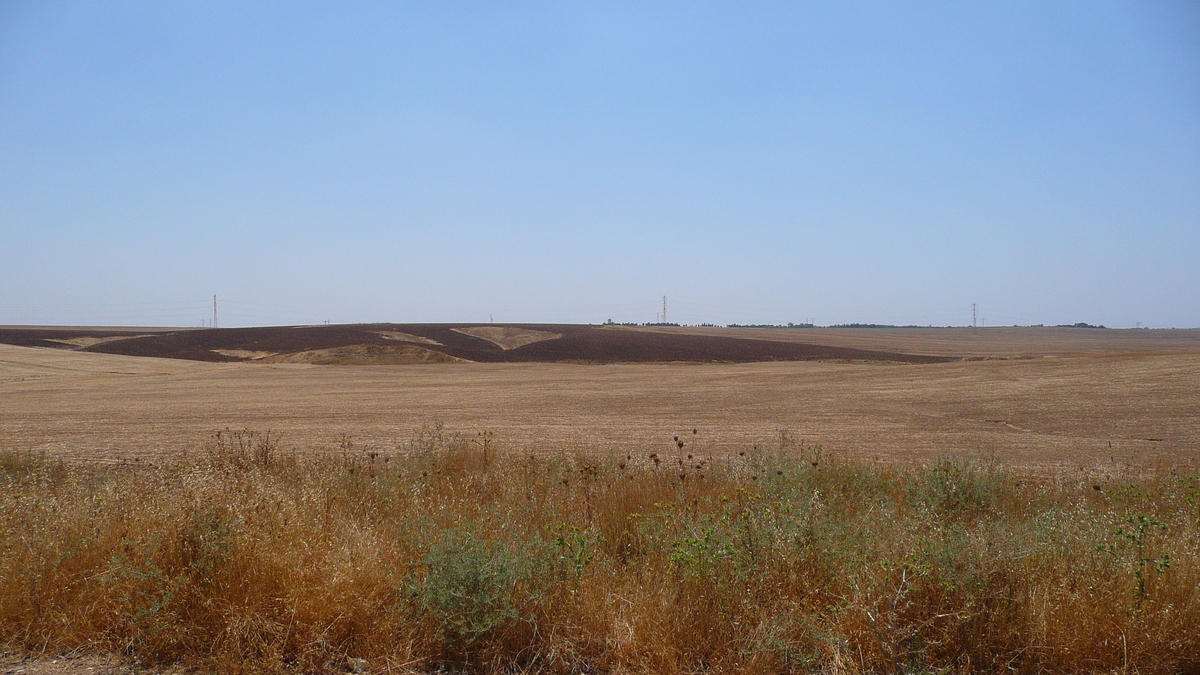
pixel 576 344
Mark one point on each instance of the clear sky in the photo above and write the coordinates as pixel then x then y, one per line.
pixel 755 162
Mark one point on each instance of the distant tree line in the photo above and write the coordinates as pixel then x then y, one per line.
pixel 610 322
pixel 770 325
pixel 873 325
pixel 789 324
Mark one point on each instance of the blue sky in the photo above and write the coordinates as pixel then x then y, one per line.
pixel 574 162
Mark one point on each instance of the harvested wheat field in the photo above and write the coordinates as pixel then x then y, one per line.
pixel 1114 399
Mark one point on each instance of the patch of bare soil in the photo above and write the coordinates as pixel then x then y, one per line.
pixel 73 665
pixel 248 354
pixel 89 340
pixel 508 337
pixel 405 337
pixel 365 355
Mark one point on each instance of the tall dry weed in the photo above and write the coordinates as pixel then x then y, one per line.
pixel 449 552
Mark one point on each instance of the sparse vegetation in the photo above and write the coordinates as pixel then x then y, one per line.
pixel 770 325
pixel 871 325
pixel 453 553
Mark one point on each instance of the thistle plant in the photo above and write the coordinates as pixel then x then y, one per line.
pixel 1136 533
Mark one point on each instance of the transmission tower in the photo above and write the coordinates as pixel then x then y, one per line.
pixel 214 311
pixel 974 316
pixel 664 314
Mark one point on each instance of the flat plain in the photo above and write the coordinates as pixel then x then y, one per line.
pixel 1036 398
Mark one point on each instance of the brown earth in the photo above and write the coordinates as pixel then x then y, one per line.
pixel 76 664
pixel 996 342
pixel 71 337
pixel 514 343
pixel 508 337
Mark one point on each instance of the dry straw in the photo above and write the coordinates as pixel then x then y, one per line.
pixel 451 553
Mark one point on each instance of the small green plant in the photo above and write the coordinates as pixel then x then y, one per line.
pixel 777 638
pixel 207 541
pixel 697 554
pixel 576 548
pixel 431 439
pixel 1192 486
pixel 956 487
pixel 470 585
pixel 1139 527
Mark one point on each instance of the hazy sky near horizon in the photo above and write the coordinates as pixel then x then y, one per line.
pixel 755 162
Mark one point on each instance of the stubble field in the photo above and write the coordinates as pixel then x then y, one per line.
pixel 1034 398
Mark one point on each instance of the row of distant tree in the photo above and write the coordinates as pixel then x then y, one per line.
pixel 789 324
pixel 771 325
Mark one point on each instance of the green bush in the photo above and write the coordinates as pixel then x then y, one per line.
pixel 474 587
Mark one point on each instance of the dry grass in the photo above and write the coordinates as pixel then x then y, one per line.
pixel 405 337
pixel 452 553
pixel 508 337
pixel 353 355
pixel 89 341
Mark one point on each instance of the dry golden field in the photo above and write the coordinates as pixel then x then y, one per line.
pixel 1040 398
